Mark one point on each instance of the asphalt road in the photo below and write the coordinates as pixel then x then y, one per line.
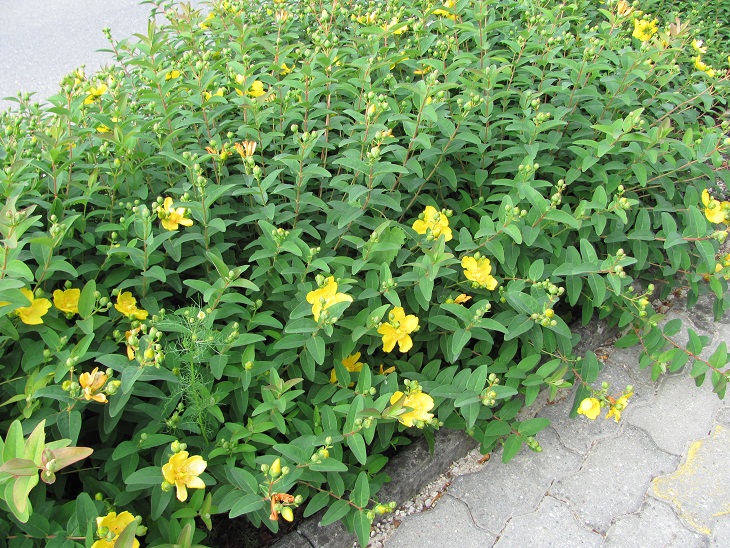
pixel 43 40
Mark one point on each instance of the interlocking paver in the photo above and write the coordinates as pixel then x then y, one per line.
pixel 614 478
pixel 450 522
pixel 678 414
pixel 655 524
pixel 500 491
pixel 552 525
pixel 699 490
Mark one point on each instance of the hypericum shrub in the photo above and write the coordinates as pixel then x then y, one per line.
pixel 279 239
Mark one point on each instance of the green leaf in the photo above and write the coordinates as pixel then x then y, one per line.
pixel 315 346
pixel 362 527
pixel 87 301
pixel 246 505
pixel 672 327
pixel 356 443
pixel 511 447
pixel 361 492
pixel 530 427
pixel 146 477
pixel 457 342
pixel 338 510
pixel 126 538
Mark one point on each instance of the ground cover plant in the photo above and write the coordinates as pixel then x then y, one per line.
pixel 280 239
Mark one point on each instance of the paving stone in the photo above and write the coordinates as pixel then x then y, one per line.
pixel 680 413
pixel 448 524
pixel 553 525
pixel 333 535
pixel 293 540
pixel 699 490
pixel 614 478
pixel 721 531
pixel 723 416
pixel 499 491
pixel 655 524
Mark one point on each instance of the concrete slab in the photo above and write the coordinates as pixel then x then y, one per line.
pixel 680 413
pixel 448 524
pixel 699 490
pixel 553 525
pixel 655 524
pixel 500 491
pixel 614 478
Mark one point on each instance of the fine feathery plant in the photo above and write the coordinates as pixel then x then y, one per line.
pixel 276 241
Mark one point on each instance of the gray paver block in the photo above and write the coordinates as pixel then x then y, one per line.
pixel 448 524
pixel 499 491
pixel 293 540
pixel 680 412
pixel 699 489
pixel 333 535
pixel 553 525
pixel 723 417
pixel 614 478
pixel 721 532
pixel 654 525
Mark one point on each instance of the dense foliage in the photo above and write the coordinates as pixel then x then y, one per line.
pixel 279 239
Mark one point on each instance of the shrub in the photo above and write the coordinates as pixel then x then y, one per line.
pixel 276 241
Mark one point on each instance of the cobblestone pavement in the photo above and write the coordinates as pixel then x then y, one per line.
pixel 656 479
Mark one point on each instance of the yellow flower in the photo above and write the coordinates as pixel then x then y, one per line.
pixel 623 8
pixel 618 407
pixel 104 128
pixel 388 371
pixel 351 363
pixel 171 217
pixel 127 305
pixel 394 22
pixel 91 383
pixel 590 407
pixel 324 297
pixel 479 271
pixel 219 93
pixel 172 74
pixel 644 29
pixel 420 405
pixel 714 210
pixel 95 93
pixel 461 299
pixel 366 19
pixel 256 89
pixel 697 46
pixel 285 69
pixel 183 471
pixel 246 149
pixel 32 314
pixel 398 329
pixel 115 524
pixel 434 221
pixel 67 300
pixel 205 24
pixel 131 348
pixel 443 13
